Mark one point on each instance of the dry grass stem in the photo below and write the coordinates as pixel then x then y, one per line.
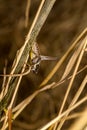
pixel 74 73
pixel 27 13
pixel 72 68
pixel 74 100
pixel 80 123
pixel 23 54
pixel 64 113
pixel 81 51
pixel 50 75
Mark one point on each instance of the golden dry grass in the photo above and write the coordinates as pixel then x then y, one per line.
pixel 54 99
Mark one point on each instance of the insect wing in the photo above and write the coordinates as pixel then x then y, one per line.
pixel 44 58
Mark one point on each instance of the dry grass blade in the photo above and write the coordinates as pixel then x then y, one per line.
pixel 16 75
pixel 81 122
pixel 26 102
pixel 27 13
pixel 3 84
pixel 50 75
pixel 84 43
pixel 30 98
pixel 7 121
pixel 10 119
pixel 68 78
pixel 72 60
pixel 23 53
pixel 64 113
pixel 11 82
pixel 19 108
pixel 74 73
pixel 74 100
pixel 75 115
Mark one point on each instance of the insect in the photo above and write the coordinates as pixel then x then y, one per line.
pixel 35 58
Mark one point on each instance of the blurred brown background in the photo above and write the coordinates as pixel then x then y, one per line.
pixel 66 21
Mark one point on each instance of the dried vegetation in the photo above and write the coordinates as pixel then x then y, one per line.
pixel 56 97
